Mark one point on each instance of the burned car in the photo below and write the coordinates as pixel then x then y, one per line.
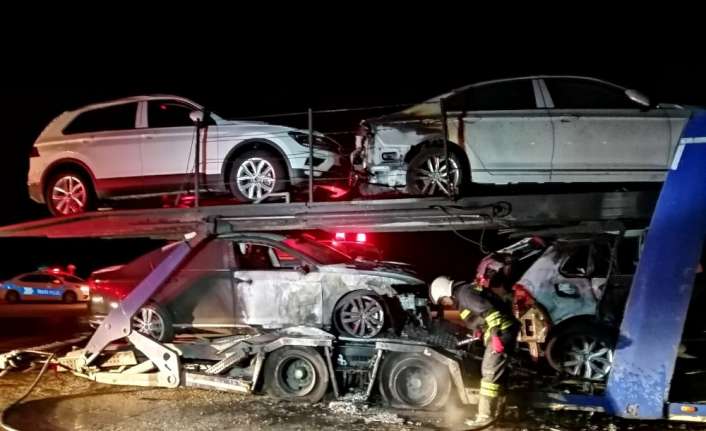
pixel 266 282
pixel 521 130
pixel 571 299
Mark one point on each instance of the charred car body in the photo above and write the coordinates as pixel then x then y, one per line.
pixel 533 129
pixel 569 293
pixel 267 282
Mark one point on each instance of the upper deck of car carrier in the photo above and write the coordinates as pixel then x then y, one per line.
pixel 382 215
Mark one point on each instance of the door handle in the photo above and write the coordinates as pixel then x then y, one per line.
pixel 243 280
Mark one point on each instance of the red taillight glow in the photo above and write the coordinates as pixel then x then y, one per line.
pixel 340 236
pixel 335 191
pixel 361 237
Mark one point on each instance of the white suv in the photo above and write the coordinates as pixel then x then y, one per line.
pixel 145 145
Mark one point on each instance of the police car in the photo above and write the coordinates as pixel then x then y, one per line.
pixel 45 286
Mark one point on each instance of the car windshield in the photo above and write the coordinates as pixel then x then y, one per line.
pixel 318 252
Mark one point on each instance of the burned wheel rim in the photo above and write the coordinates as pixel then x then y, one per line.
pixel 587 357
pixel 148 322
pixel 361 316
pixel 432 176
pixel 69 195
pixel 416 385
pixel 255 178
pixel 297 376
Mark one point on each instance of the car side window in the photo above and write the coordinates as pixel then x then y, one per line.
pixel 117 117
pixel 38 278
pixel 577 264
pixel 499 96
pixel 585 94
pixel 258 257
pixel 167 113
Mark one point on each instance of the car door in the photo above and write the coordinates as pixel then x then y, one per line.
pixel 40 287
pixel 577 287
pixel 200 295
pixel 602 135
pixel 28 285
pixel 55 289
pixel 504 129
pixel 107 140
pixel 274 287
pixel 169 145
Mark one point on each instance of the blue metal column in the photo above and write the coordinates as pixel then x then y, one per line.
pixel 638 386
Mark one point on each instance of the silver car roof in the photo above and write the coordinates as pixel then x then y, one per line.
pixel 137 99
pixel 431 106
pixel 521 78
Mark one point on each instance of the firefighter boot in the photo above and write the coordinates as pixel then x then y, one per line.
pixel 487 413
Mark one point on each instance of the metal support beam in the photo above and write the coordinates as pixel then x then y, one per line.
pixel 117 324
pixel 311 155
pixel 650 334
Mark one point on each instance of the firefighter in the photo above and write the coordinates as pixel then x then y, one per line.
pixel 483 311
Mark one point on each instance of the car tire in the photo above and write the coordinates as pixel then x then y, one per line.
pixel 256 174
pixel 582 351
pixel 154 321
pixel 69 192
pixel 296 373
pixel 426 173
pixel 414 381
pixel 12 297
pixel 361 314
pixel 69 297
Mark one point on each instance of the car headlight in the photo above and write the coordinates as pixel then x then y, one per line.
pixel 85 290
pixel 113 305
pixel 320 142
pixel 97 299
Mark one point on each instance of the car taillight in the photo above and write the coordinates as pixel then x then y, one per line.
pixel 361 237
pixel 522 300
pixel 340 236
pixel 34 152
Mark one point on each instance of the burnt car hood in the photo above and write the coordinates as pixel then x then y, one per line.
pixel 392 270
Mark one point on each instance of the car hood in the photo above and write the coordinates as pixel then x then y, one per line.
pixel 393 270
pixel 243 129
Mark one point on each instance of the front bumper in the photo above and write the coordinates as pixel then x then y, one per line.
pixel 35 192
pixel 328 168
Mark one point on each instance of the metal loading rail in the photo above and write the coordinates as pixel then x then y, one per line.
pixel 389 215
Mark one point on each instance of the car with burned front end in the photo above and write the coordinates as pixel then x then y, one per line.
pixel 262 281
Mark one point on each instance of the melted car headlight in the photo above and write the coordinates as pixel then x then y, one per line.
pixel 113 305
pixel 85 290
pixel 97 299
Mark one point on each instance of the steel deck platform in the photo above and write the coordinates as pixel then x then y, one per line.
pixel 389 215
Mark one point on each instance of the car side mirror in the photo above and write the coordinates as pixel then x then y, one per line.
pixel 196 117
pixel 638 97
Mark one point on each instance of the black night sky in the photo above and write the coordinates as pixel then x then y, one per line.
pixel 238 71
